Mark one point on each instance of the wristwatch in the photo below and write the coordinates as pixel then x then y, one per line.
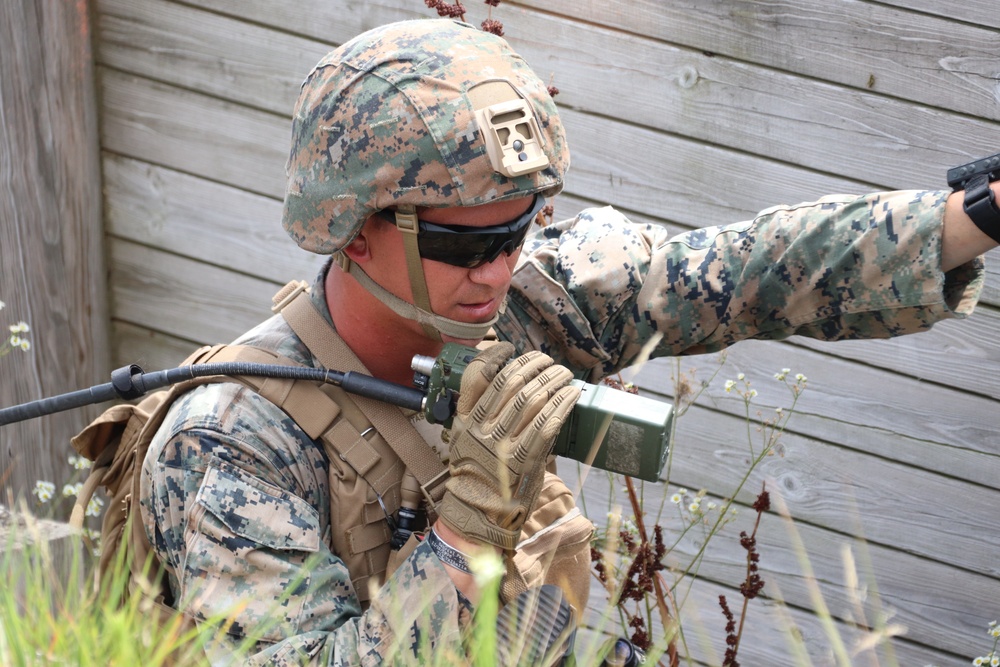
pixel 446 553
pixel 980 202
pixel 981 205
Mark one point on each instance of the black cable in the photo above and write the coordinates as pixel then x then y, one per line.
pixel 131 382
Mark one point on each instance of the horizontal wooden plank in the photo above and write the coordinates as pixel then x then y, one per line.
pixel 854 133
pixel 150 350
pixel 939 603
pixel 932 514
pixel 202 220
pixel 188 132
pixel 863 408
pixel 865 45
pixel 649 171
pixel 204 51
pixel 961 353
pixel 977 12
pixel 774 634
pixel 184 298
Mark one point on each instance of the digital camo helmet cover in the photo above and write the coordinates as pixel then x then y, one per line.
pixel 389 119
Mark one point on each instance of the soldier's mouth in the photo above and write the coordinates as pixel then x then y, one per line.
pixel 482 311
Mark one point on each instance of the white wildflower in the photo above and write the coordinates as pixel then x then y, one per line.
pixel 95 506
pixel 72 490
pixel 676 499
pixel 799 377
pixel 2 305
pixel 729 385
pixel 43 491
pixel 694 507
pixel 79 463
pixel 25 344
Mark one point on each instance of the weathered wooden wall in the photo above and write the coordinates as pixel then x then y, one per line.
pixel 684 114
pixel 51 232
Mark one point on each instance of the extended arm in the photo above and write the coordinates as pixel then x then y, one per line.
pixel 592 291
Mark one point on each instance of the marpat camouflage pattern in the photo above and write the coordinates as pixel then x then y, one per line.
pixel 406 132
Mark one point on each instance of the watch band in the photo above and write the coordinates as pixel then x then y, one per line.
pixel 446 553
pixel 980 205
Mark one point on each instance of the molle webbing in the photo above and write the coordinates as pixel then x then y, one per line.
pixel 376 441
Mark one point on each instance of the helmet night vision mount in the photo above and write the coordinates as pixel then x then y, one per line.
pixel 508 128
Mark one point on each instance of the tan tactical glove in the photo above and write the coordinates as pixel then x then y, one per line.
pixel 503 430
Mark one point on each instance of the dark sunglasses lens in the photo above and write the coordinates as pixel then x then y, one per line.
pixel 471 247
pixel 465 250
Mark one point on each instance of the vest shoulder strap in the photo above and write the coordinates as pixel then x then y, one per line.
pixel 295 305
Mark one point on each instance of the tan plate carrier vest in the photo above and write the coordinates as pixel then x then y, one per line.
pixel 369 445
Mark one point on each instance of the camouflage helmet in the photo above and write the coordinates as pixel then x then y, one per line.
pixel 390 119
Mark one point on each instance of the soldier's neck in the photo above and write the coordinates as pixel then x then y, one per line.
pixel 383 343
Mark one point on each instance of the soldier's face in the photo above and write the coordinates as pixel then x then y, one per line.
pixel 467 295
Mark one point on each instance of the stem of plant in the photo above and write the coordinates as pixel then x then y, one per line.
pixel 661 602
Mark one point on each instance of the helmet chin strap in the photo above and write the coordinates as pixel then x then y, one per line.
pixel 408 224
pixel 434 325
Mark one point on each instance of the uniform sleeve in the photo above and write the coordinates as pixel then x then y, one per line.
pixel 233 501
pixel 593 290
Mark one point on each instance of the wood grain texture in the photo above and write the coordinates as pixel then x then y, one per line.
pixel 51 244
pixel 933 60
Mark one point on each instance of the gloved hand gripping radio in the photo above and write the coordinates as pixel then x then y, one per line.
pixel 608 429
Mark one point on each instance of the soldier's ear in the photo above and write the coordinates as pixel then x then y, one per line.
pixel 359 250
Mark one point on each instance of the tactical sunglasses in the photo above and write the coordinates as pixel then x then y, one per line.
pixel 469 247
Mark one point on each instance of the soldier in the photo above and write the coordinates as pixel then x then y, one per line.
pixel 421 153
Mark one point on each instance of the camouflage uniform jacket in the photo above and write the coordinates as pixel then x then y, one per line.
pixel 235 496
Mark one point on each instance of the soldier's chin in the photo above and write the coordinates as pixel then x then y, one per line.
pixel 470 342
